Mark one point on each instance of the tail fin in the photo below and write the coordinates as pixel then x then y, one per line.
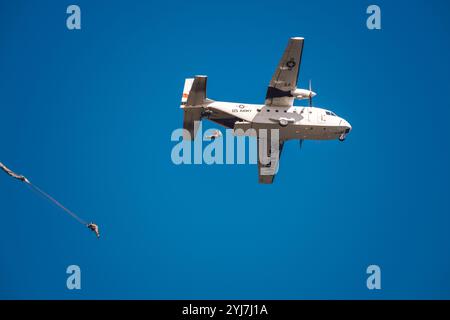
pixel 192 101
pixel 194 92
pixel 187 88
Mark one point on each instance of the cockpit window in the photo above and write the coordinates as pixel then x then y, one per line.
pixel 330 113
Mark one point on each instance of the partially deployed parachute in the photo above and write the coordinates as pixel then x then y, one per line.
pixel 13 174
pixel 91 226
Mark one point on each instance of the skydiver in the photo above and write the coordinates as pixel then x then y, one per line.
pixel 94 228
pixel 216 134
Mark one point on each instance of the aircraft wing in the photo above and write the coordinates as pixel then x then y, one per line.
pixel 267 171
pixel 284 80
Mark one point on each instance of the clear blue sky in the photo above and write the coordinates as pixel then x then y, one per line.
pixel 87 115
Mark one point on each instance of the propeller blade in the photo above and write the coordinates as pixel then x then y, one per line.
pixel 310 93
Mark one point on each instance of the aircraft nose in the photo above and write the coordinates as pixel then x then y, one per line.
pixel 346 124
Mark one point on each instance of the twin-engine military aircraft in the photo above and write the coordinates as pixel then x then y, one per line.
pixel 278 112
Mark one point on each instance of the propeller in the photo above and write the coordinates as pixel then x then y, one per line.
pixel 310 94
pixel 310 105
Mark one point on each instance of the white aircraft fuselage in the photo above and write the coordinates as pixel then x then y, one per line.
pixel 296 122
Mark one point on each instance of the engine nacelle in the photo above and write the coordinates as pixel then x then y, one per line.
pixel 301 94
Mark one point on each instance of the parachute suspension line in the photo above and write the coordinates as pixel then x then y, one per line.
pixel 54 201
